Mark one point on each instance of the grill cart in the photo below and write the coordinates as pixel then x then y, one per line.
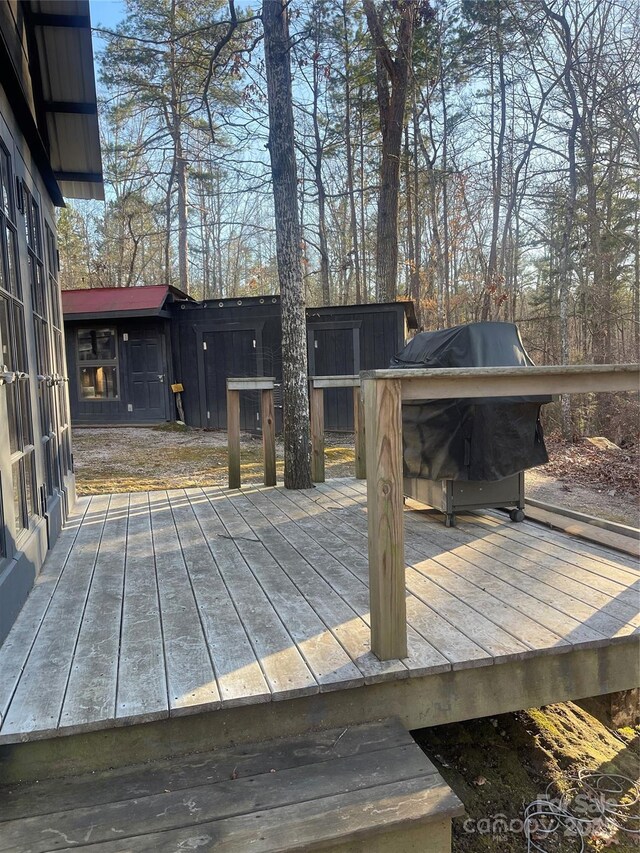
pixel 462 454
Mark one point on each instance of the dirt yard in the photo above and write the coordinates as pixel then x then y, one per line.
pixel 499 765
pixel 598 482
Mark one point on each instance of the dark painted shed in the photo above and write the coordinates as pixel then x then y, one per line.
pixel 119 353
pixel 133 344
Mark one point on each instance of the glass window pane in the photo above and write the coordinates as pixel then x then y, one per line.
pixel 18 494
pixel 12 264
pixel 5 182
pixel 6 358
pixel 25 412
pixel 30 492
pixel 96 344
pixel 12 415
pixel 99 383
pixel 20 347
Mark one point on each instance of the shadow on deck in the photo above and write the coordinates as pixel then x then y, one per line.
pixel 157 609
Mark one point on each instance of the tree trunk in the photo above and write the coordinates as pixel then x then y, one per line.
pixel 353 221
pixel 392 78
pixel 297 462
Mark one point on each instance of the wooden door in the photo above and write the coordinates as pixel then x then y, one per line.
pixel 147 375
pixel 228 354
pixel 334 351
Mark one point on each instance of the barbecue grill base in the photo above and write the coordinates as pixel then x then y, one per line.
pixel 451 496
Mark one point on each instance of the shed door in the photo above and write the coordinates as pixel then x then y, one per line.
pixel 147 376
pixel 229 354
pixel 333 352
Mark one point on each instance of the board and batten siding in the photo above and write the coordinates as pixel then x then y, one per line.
pixel 217 339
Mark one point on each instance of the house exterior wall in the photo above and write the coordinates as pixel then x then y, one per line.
pixel 36 479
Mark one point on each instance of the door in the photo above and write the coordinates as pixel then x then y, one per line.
pixel 230 353
pixel 334 351
pixel 147 376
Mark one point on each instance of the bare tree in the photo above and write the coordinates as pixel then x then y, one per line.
pixel 392 83
pixel 297 464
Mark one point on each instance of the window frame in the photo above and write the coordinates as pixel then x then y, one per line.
pixel 98 362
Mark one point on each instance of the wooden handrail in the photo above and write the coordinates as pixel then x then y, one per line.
pixel 384 391
pixel 265 385
pixel 317 386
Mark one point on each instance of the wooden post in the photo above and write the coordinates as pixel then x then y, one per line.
pixel 316 404
pixel 233 437
pixel 383 418
pixel 269 437
pixel 359 434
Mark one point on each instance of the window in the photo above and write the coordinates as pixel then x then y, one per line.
pixel 13 358
pixel 98 363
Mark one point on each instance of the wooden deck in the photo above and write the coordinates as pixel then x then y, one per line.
pixel 167 604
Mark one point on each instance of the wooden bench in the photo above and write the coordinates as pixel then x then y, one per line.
pixel 364 788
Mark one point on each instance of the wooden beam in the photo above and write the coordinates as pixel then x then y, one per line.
pixel 383 417
pixel 335 381
pixel 268 437
pixel 462 382
pixel 316 406
pixel 251 383
pixel 233 437
pixel 359 434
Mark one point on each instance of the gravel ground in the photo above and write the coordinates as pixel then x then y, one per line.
pixel 120 459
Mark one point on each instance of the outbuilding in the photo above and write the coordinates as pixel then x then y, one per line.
pixel 127 347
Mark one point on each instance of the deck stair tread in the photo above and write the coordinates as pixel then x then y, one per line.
pixel 315 791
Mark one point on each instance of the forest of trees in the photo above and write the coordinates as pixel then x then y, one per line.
pixel 502 135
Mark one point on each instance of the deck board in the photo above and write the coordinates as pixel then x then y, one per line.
pixel 238 672
pixel 142 678
pixel 37 702
pixel 171 603
pixel 93 680
pixel 190 676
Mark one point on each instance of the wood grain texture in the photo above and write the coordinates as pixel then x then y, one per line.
pixel 457 382
pixel 383 417
pixel 316 405
pixel 233 437
pixel 208 600
pixel 359 434
pixel 361 784
pixel 268 437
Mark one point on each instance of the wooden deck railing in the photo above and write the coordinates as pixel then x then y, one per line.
pixel 384 391
pixel 267 416
pixel 317 386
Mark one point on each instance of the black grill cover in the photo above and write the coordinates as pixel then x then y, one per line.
pixel 470 439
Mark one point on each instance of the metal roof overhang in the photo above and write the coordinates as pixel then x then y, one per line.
pixel 65 94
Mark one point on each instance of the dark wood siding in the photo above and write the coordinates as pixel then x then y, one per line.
pixel 145 373
pixel 348 340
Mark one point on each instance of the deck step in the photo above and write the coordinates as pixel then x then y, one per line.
pixel 364 788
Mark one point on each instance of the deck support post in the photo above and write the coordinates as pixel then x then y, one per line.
pixel 359 434
pixel 233 437
pixel 383 418
pixel 316 406
pixel 268 437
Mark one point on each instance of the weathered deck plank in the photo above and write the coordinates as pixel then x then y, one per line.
pixel 34 709
pixel 142 679
pixel 240 678
pixel 91 691
pixel 284 667
pixel 191 680
pixel 331 666
pixel 17 646
pixel 162 605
